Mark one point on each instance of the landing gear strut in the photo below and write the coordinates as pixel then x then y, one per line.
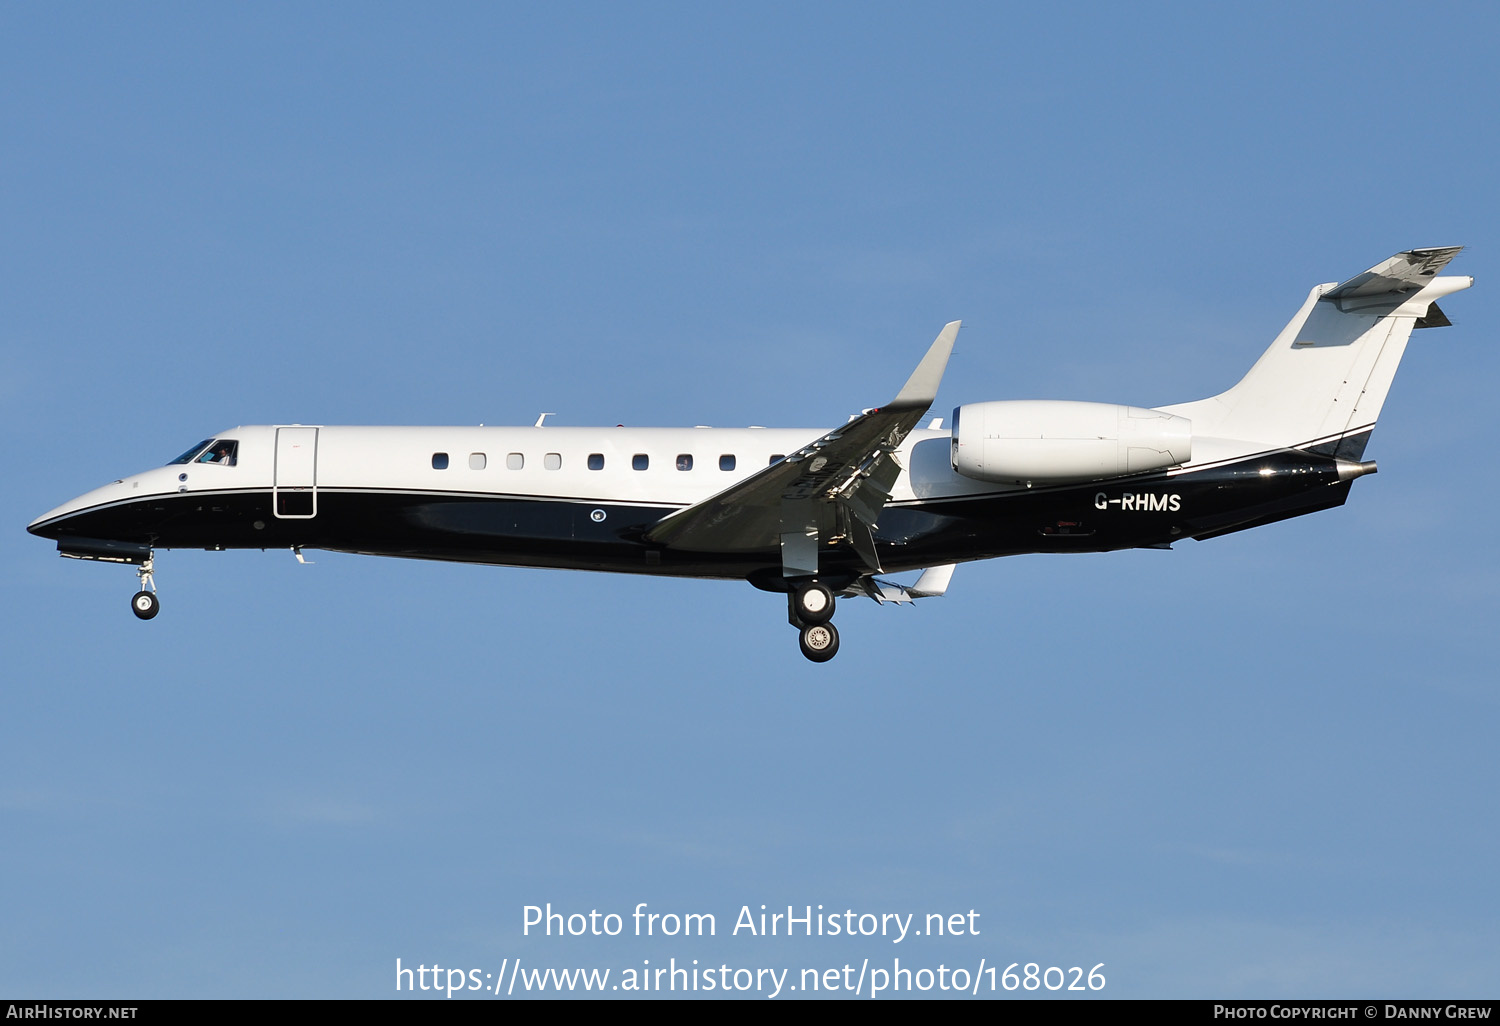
pixel 144 603
pixel 810 609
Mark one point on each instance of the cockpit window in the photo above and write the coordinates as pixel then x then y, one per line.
pixel 223 451
pixel 187 457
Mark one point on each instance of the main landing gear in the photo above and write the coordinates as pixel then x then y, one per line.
pixel 810 609
pixel 144 603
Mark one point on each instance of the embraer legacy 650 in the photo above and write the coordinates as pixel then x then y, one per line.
pixel 814 514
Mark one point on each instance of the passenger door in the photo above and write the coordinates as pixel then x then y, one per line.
pixel 294 495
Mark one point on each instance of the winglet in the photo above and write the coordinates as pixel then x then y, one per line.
pixel 922 387
pixel 933 583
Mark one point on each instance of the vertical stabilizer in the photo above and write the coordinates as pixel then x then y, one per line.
pixel 1325 377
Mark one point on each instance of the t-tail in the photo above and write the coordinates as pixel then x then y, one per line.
pixel 1321 384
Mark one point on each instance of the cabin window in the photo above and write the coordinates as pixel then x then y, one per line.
pixel 552 461
pixel 776 458
pixel 726 462
pixel 596 461
pixel 439 461
pixel 476 461
pixel 684 461
pixel 640 461
pixel 515 461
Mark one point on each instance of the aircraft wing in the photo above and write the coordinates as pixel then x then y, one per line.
pixel 829 491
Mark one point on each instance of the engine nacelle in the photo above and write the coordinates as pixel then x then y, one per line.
pixel 1043 441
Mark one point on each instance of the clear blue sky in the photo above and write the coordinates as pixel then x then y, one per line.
pixel 1257 766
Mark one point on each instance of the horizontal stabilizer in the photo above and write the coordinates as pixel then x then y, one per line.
pixel 1404 272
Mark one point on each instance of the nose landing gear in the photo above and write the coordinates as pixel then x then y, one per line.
pixel 144 603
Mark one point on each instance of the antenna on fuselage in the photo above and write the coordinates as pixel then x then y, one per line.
pixel 542 418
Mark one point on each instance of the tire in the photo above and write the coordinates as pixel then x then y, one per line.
pixel 144 605
pixel 820 642
pixel 814 603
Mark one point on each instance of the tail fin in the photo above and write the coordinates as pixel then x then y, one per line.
pixel 1322 383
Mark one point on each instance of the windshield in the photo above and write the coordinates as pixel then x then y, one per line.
pixel 187 457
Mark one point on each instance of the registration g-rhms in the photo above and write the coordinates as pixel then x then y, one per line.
pixel 815 514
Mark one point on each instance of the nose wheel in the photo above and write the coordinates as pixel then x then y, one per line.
pixel 144 603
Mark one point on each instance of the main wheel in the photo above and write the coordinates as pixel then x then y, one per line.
pixel 814 603
pixel 144 605
pixel 820 642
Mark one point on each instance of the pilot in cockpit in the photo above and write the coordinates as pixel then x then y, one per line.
pixel 222 453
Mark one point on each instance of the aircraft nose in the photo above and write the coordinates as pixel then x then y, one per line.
pixel 64 520
pixel 50 524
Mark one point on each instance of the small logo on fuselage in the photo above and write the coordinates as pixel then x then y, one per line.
pixel 1154 502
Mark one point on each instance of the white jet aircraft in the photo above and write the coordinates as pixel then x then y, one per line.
pixel 814 514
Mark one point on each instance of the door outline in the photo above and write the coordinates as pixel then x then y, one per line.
pixel 294 488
